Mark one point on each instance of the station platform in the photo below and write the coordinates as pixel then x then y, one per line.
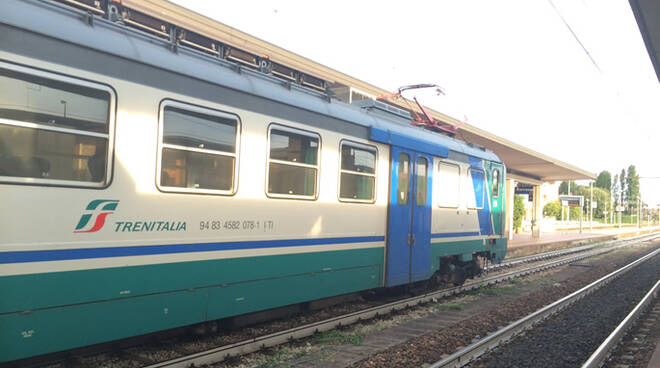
pixel 524 244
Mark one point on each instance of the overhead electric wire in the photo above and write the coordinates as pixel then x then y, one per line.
pixel 575 36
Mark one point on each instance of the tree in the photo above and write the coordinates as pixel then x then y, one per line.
pixel 615 189
pixel 602 200
pixel 632 186
pixel 604 180
pixel 563 187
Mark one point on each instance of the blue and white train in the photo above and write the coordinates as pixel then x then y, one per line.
pixel 145 187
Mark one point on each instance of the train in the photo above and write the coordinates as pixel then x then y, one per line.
pixel 146 187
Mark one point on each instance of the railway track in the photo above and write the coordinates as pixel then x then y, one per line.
pixel 180 356
pixel 487 349
pixel 648 310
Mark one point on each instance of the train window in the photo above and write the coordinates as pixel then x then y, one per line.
pixel 198 149
pixel 478 185
pixel 403 182
pixel 496 183
pixel 54 130
pixel 293 163
pixel 448 185
pixel 420 195
pixel 358 173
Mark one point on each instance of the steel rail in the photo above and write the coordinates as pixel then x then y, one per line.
pixel 550 254
pixel 561 252
pixel 598 357
pixel 485 345
pixel 218 354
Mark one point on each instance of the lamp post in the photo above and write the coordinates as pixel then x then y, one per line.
pixel 591 205
pixel 63 102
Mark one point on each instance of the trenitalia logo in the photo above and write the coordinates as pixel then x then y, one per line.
pixel 107 206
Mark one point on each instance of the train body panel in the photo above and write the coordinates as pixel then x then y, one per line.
pixel 164 296
pixel 145 244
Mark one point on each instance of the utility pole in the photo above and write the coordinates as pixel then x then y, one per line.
pixel 639 211
pixel 581 211
pixel 568 209
pixel 63 102
pixel 591 206
pixel 620 204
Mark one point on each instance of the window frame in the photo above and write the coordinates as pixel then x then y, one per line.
pixel 499 175
pixel 365 147
pixel 298 131
pixel 110 136
pixel 458 189
pixel 483 192
pixel 161 146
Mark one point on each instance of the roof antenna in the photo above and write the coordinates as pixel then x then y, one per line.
pixel 424 119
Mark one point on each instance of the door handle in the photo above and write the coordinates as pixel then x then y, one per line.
pixel 411 239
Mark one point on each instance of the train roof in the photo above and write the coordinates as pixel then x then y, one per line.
pixel 77 27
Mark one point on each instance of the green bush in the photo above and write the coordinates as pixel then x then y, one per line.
pixel 518 211
pixel 552 209
pixel 575 214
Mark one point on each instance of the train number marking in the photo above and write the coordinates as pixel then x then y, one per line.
pixel 27 334
pixel 237 225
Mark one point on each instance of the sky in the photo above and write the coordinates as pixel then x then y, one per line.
pixel 510 67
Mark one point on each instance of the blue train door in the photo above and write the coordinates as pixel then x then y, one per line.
pixel 409 221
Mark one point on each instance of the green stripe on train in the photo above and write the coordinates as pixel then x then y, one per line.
pixel 135 300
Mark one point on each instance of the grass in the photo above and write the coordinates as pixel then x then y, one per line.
pixel 281 355
pixel 518 281
pixel 450 306
pixel 493 291
pixel 337 337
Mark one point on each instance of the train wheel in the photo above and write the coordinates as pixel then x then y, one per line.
pixel 458 276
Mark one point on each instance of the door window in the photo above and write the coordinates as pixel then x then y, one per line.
pixel 496 183
pixel 420 195
pixel 404 179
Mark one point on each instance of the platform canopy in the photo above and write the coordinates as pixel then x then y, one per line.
pixel 523 164
pixel 647 13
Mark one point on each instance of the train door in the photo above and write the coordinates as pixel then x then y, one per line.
pixel 496 185
pixel 409 221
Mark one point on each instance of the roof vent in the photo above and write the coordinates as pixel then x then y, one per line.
pixel 146 22
pixel 384 109
pixel 199 42
pixel 93 6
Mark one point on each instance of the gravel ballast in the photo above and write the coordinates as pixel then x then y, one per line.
pixel 569 338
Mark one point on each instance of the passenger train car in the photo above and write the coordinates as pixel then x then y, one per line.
pixel 145 187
